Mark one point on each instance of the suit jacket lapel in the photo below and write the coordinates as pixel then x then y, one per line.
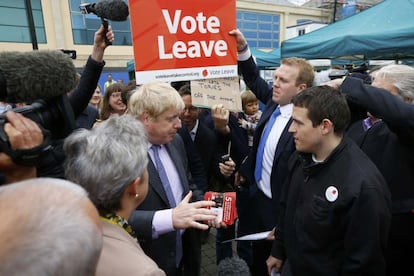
pixel 283 140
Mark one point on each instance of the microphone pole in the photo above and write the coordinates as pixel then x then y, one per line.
pixel 32 29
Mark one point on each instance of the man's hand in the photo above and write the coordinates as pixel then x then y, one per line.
pixel 227 168
pixel 241 40
pixel 271 235
pixel 99 44
pixel 335 83
pixel 188 215
pixel 216 224
pixel 23 133
pixel 220 116
pixel 275 263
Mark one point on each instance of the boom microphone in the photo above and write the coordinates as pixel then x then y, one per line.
pixel 29 76
pixel 114 10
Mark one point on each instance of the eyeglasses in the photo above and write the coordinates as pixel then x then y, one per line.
pixel 116 95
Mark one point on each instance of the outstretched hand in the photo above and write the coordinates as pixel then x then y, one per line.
pixel 189 215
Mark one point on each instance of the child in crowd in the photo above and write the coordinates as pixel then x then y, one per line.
pixel 251 114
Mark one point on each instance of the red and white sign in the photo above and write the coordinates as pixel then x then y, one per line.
pixel 183 39
pixel 225 206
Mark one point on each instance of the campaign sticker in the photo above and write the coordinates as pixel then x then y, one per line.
pixel 331 193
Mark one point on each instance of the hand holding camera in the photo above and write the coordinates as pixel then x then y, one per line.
pixel 24 135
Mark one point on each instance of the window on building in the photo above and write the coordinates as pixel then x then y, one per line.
pixel 14 26
pixel 260 29
pixel 84 26
pixel 301 32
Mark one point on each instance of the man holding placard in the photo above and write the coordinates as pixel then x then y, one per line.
pixel 265 169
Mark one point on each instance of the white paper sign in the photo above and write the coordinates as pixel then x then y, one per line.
pixel 208 92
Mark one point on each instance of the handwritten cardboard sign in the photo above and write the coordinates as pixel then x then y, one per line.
pixel 208 92
pixel 183 39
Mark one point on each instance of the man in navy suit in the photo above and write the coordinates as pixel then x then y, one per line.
pixel 160 221
pixel 265 179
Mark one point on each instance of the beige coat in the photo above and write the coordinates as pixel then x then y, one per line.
pixel 122 255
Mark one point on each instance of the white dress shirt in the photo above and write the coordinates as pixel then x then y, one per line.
pixel 162 222
pixel 270 148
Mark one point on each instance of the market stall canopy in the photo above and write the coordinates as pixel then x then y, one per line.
pixel 266 60
pixel 384 31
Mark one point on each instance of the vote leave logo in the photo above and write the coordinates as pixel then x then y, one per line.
pixel 183 39
pixel 191 25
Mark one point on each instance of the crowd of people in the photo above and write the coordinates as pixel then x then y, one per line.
pixel 326 169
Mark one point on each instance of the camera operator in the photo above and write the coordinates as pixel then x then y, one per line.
pixel 50 164
pixel 24 134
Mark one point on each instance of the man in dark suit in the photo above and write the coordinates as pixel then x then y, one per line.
pixel 265 168
pixel 387 137
pixel 204 141
pixel 160 221
pixel 210 151
pixel 203 137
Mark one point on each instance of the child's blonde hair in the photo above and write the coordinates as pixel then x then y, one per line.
pixel 247 97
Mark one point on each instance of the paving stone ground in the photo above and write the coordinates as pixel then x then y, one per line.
pixel 208 255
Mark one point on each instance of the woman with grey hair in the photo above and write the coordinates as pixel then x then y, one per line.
pixel 110 162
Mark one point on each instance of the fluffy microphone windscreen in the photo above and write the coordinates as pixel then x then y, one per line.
pixel 114 10
pixel 30 76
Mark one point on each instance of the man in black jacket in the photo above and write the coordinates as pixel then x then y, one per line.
pixel 335 207
pixel 386 135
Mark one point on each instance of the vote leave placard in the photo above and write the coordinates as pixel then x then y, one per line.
pixel 183 39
